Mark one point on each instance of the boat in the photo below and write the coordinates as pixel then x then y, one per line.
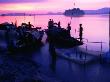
pixel 61 39
pixel 4 26
pixel 69 48
pixel 21 38
pixel 29 38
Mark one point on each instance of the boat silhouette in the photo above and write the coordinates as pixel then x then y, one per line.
pixel 61 39
pixel 21 38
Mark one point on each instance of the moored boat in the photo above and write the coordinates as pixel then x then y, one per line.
pixel 61 38
pixel 21 38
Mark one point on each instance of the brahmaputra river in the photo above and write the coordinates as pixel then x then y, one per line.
pixel 96 27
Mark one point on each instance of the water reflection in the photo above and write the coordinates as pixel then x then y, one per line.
pixel 53 56
pixel 95 26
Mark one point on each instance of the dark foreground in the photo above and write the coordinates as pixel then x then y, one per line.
pixel 38 66
pixel 43 63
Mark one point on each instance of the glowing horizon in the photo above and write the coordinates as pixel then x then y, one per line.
pixel 51 5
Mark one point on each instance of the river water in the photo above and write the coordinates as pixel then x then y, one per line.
pixel 96 27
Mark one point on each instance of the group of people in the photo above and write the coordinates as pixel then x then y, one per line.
pixel 52 51
pixel 51 25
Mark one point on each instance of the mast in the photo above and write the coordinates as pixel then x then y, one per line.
pixel 109 30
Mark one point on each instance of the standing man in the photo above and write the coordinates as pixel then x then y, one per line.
pixel 59 25
pixel 30 25
pixel 80 32
pixel 68 29
pixel 50 24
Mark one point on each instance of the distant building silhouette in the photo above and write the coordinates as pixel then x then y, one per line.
pixel 74 12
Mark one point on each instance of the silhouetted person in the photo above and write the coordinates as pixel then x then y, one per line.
pixel 68 29
pixel 59 25
pixel 50 24
pixel 80 32
pixel 30 25
pixel 75 31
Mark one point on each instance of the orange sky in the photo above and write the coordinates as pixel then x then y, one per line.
pixel 53 5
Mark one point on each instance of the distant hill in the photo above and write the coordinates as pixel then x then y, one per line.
pixel 99 11
pixel 26 14
pixel 16 14
pixel 79 12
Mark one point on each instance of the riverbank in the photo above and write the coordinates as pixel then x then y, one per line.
pixel 38 67
pixel 21 68
pixel 70 71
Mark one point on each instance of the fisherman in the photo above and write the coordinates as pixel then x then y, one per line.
pixel 80 32
pixel 30 25
pixel 68 29
pixel 50 24
pixel 75 31
pixel 59 25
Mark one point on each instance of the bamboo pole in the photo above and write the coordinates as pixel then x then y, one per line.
pixel 109 30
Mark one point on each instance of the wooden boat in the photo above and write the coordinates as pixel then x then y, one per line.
pixel 61 38
pixel 29 40
pixel 69 48
pixel 6 25
pixel 21 38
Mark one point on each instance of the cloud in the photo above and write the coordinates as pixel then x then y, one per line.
pixel 20 1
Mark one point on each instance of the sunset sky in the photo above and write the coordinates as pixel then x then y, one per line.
pixel 50 5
